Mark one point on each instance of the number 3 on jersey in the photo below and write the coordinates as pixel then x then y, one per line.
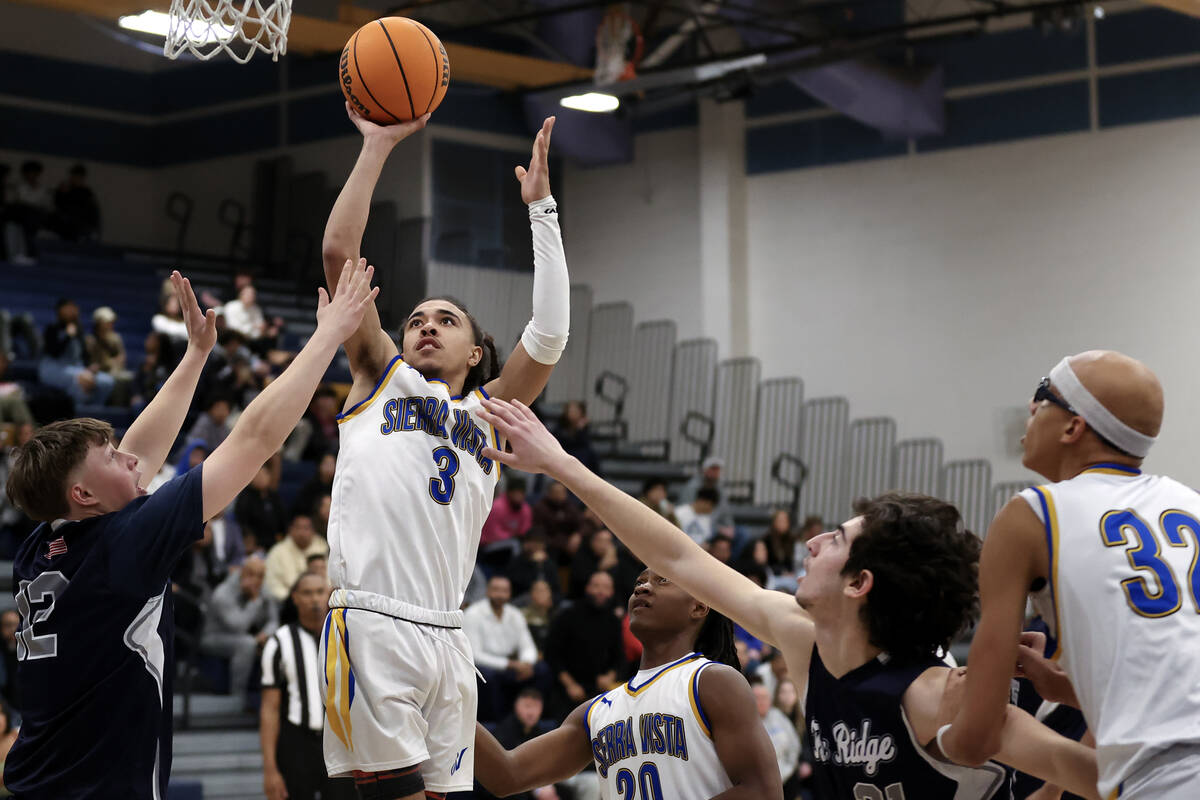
pixel 441 488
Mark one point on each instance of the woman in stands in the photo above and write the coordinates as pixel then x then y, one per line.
pixel 410 496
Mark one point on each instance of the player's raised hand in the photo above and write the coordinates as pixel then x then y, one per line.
pixel 535 181
pixel 201 326
pixel 534 449
pixel 351 299
pixel 391 134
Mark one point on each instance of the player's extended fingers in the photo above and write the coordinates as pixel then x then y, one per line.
pixel 504 411
pixel 525 412
pixel 322 298
pixel 520 173
pixel 508 459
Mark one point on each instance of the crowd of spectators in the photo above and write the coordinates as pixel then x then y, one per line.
pixel 29 207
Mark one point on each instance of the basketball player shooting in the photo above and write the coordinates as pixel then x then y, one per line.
pixel 881 594
pixel 684 726
pixel 1109 556
pixel 411 493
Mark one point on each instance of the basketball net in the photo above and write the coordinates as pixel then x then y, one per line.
pixel 237 27
pixel 614 60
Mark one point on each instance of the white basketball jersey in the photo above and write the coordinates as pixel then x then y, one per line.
pixel 1123 602
pixel 650 739
pixel 411 491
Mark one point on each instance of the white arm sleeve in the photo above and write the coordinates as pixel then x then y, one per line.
pixel 546 334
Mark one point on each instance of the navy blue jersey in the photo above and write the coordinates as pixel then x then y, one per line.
pixel 865 749
pixel 95 649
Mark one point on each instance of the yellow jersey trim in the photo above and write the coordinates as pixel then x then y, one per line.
pixel 1052 542
pixel 685 660
pixel 362 405
pixel 694 698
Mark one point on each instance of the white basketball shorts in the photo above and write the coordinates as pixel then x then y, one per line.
pixel 398 693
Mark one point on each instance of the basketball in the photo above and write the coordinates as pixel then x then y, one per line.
pixel 394 70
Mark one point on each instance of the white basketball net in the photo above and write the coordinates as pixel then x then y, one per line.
pixel 237 27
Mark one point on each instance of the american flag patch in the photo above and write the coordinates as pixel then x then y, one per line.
pixel 58 547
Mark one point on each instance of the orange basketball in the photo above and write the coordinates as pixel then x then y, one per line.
pixel 393 70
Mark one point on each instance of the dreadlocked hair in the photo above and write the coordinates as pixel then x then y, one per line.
pixel 715 640
pixel 488 368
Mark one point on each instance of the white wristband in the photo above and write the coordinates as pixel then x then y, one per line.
pixel 941 732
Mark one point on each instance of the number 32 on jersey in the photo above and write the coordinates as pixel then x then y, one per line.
pixel 1154 592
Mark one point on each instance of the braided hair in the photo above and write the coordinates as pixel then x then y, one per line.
pixel 716 641
pixel 488 368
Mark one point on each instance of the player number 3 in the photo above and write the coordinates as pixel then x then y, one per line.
pixel 441 488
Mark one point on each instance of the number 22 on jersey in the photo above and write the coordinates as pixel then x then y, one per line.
pixel 1155 592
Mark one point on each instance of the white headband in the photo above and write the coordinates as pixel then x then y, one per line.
pixel 1096 415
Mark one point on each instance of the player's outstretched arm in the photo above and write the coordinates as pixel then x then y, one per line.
pixel 738 734
pixel 153 432
pixel 266 422
pixel 771 616
pixel 552 757
pixel 1007 569
pixel 533 359
pixel 369 348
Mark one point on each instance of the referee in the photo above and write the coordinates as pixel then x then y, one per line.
pixel 292 710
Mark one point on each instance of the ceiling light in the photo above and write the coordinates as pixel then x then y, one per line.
pixel 1098 12
pixel 158 23
pixel 592 101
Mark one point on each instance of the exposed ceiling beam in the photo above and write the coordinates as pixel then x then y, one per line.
pixel 1189 7
pixel 308 35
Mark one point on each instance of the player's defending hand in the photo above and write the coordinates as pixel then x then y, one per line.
pixel 201 326
pixel 535 181
pixel 534 449
pixel 1048 678
pixel 351 299
pixel 390 135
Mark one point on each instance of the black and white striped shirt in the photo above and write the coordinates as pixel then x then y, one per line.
pixel 289 663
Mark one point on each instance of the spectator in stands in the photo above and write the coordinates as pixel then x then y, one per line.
pixel 19 326
pixel 698 518
pixel 13 408
pixel 212 426
pixel 524 723
pixel 782 732
pixel 290 723
pixel 106 350
pixel 320 513
pixel 151 373
pixel 575 436
pixel 10 621
pixel 787 700
pixel 503 648
pixel 583 648
pixel 780 540
pixel 224 548
pixel 322 425
pixel 559 520
pixel 171 331
pixel 709 477
pixel 288 559
pixel 240 619
pixel 246 317
pixel 813 526
pixel 62 364
pixel 720 546
pixel 753 562
pixel 259 511
pixel 77 211
pixel 598 555
pixel 319 485
pixel 317 564
pixel 537 613
pixel 533 564
pixel 654 495
pixel 30 210
pixel 509 520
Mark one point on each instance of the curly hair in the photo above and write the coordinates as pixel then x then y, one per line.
pixel 715 640
pixel 488 367
pixel 926 573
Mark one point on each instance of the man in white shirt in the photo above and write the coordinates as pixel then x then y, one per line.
pixel 246 317
pixel 503 649
pixel 288 560
pixel 696 518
